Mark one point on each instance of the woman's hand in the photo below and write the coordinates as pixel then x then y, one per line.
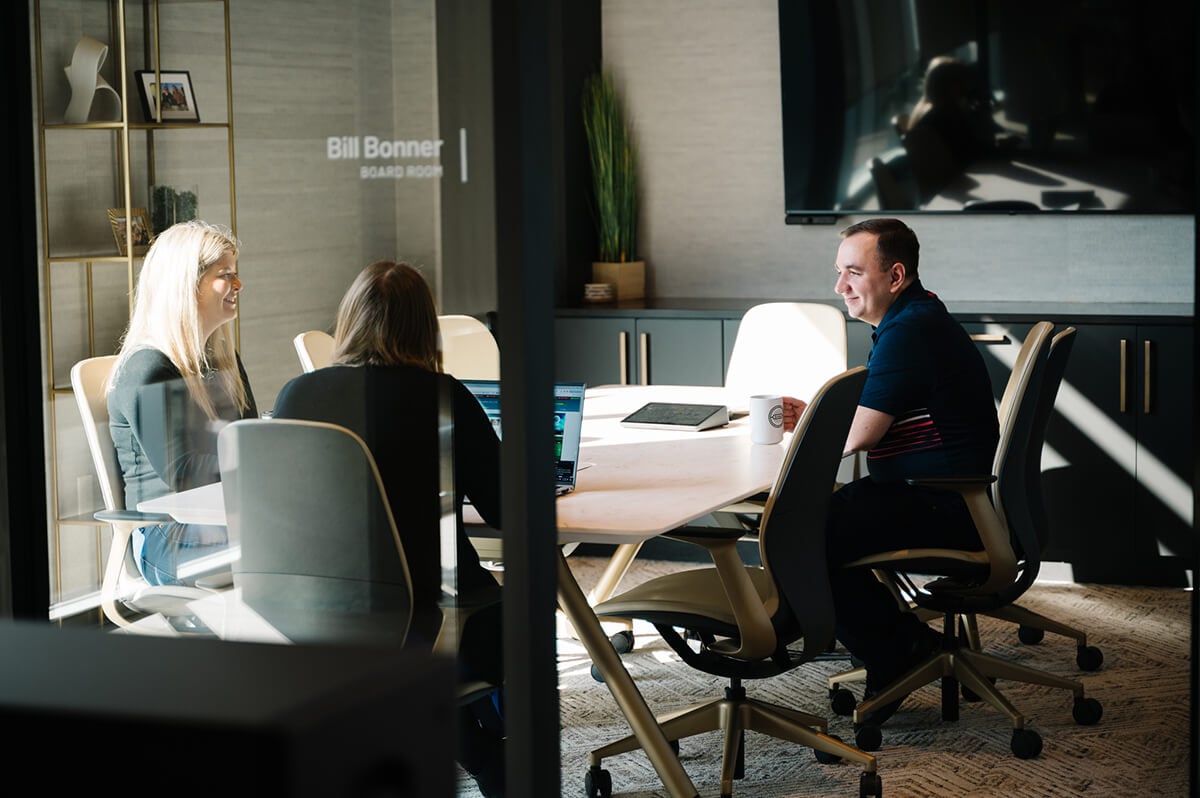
pixel 792 408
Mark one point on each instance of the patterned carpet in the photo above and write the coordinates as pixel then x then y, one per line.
pixel 1140 747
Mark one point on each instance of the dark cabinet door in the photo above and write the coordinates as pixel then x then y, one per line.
pixel 1119 501
pixel 597 351
pixel 1163 495
pixel 1092 443
pixel 680 352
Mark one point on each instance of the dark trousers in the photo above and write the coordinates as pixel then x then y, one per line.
pixel 868 517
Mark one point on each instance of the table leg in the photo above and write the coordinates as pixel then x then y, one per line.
pixel 616 568
pixel 587 627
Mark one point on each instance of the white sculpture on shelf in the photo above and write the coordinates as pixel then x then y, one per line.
pixel 87 85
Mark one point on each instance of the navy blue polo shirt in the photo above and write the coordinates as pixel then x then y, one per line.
pixel 925 371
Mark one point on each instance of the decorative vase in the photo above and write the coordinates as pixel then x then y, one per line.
pixel 87 85
pixel 629 278
pixel 169 205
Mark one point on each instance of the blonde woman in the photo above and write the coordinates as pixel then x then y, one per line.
pixel 176 381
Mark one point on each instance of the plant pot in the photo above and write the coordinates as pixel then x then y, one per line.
pixel 629 278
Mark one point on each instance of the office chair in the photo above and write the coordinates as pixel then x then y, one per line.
pixel 314 348
pixel 787 348
pixel 976 582
pixel 321 559
pixel 1032 626
pixel 469 350
pixel 891 188
pixel 930 159
pixel 125 596
pixel 755 622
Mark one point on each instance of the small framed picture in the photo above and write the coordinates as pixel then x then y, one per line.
pixel 174 89
pixel 140 229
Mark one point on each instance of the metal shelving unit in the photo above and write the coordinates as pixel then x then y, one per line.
pixel 86 168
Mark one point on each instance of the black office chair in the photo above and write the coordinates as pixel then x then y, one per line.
pixel 979 582
pixel 742 622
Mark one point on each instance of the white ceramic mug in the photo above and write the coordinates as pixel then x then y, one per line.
pixel 766 418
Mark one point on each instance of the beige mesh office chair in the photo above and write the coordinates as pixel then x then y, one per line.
pixel 314 348
pixel 321 559
pixel 786 348
pixel 125 596
pixel 976 582
pixel 756 622
pixel 469 350
pixel 1032 625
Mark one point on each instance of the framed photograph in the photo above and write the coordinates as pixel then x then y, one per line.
pixel 140 221
pixel 175 93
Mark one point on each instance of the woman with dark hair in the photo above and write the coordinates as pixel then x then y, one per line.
pixel 386 384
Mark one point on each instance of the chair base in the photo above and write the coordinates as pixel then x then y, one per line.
pixel 736 714
pixel 963 664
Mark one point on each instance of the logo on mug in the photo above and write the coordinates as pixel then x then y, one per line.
pixel 776 416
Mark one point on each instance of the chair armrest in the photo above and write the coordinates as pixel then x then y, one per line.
pixel 168 600
pixel 757 635
pixel 958 483
pixel 218 581
pixel 989 523
pixel 704 535
pixel 135 516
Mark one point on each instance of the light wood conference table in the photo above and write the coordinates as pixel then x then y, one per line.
pixel 633 485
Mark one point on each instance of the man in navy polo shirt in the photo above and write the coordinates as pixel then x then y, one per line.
pixel 926 410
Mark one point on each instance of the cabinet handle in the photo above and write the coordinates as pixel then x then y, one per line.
pixel 1124 371
pixel 989 338
pixel 644 365
pixel 1146 376
pixel 623 356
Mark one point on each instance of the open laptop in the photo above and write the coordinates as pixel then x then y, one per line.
pixel 568 424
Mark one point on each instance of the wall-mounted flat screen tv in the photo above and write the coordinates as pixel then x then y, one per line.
pixel 1003 106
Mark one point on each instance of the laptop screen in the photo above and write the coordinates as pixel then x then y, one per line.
pixel 568 423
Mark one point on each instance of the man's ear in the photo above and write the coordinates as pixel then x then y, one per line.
pixel 897 274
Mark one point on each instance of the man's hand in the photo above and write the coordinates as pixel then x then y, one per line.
pixel 792 408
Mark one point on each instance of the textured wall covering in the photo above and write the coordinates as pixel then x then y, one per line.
pixel 702 82
pixel 303 73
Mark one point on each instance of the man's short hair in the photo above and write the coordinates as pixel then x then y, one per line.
pixel 895 242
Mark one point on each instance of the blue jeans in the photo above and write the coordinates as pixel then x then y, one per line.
pixel 161 551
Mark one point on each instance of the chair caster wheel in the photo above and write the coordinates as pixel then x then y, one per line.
pixel 1030 635
pixel 596 674
pixel 868 738
pixel 842 701
pixel 1026 743
pixel 826 758
pixel 1089 658
pixel 870 786
pixel 1087 711
pixel 597 783
pixel 622 641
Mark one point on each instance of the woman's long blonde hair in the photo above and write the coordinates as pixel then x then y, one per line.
pixel 387 318
pixel 166 312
